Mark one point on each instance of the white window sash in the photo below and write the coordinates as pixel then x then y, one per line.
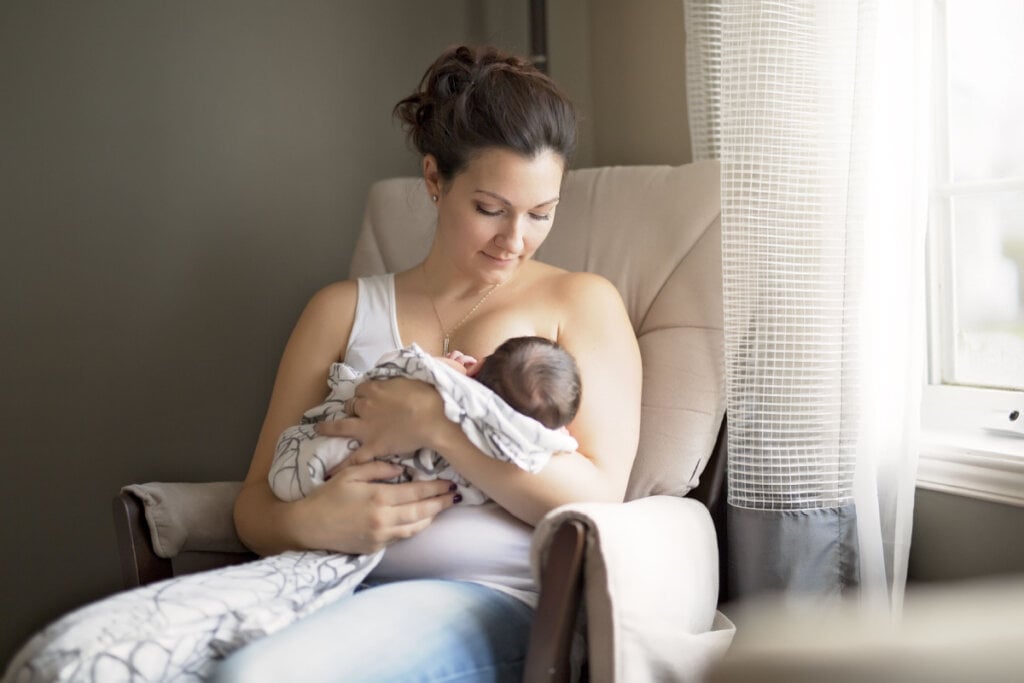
pixel 961 453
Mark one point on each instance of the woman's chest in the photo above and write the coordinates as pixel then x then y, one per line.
pixel 479 334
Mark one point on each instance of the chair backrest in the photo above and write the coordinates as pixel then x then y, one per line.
pixel 654 232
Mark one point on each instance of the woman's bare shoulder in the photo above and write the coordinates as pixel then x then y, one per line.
pixel 575 289
pixel 335 298
pixel 577 300
pixel 561 280
pixel 326 321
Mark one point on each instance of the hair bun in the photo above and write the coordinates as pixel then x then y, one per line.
pixel 470 99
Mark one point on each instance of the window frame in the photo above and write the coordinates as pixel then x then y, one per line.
pixel 960 452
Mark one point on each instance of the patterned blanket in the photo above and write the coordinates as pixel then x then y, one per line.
pixel 177 630
pixel 303 458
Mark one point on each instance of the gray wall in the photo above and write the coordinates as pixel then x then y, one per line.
pixel 176 179
pixel 638 67
pixel 962 538
pixel 624 63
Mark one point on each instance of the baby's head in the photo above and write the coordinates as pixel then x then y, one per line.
pixel 535 376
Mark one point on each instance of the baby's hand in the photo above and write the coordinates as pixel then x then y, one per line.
pixel 462 359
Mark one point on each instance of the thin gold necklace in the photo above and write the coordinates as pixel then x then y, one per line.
pixel 448 332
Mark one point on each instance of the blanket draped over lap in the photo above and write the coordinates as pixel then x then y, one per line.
pixel 176 630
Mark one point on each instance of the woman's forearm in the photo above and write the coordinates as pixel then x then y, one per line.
pixel 265 524
pixel 567 478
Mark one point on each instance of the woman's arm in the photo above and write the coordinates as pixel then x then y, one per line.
pixel 596 330
pixel 349 513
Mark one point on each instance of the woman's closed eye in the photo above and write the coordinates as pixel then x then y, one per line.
pixel 487 211
pixel 499 212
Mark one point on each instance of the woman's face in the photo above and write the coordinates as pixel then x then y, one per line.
pixel 494 215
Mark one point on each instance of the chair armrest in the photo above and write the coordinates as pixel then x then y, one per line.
pixel 158 524
pixel 554 622
pixel 650 585
pixel 190 517
pixel 140 564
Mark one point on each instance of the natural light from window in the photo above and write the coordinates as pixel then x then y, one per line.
pixel 983 344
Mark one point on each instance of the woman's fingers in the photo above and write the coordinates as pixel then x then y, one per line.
pixel 414 492
pixel 421 510
pixel 396 415
pixel 372 471
pixel 390 495
pixel 400 521
pixel 360 515
pixel 346 426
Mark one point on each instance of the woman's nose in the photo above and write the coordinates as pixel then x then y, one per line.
pixel 511 237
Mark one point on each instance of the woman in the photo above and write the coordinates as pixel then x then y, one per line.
pixel 453 597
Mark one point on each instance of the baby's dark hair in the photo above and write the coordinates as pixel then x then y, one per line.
pixel 473 98
pixel 535 376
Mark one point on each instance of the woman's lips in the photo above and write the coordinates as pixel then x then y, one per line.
pixel 500 259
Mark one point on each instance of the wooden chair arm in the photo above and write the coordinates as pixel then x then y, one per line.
pixel 139 563
pixel 554 623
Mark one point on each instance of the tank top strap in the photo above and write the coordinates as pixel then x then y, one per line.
pixel 375 327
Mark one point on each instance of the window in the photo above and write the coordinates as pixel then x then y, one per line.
pixel 978 198
pixel 973 442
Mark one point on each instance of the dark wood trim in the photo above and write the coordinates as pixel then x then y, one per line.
pixel 539 34
pixel 558 605
pixel 139 563
pixel 713 491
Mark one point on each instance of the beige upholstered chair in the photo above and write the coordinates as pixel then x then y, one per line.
pixel 650 567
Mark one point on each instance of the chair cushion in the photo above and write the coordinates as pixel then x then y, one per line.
pixel 654 232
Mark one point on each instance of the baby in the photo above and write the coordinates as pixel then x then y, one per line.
pixel 537 382
pixel 534 375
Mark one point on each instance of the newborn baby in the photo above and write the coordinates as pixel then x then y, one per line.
pixel 523 393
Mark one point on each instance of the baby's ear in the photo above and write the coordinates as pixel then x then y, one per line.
pixel 473 368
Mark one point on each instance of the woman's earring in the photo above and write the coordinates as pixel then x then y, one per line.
pixel 433 198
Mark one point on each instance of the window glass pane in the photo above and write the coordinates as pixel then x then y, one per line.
pixel 986 90
pixel 988 335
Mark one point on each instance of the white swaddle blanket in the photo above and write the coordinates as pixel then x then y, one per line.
pixel 176 630
pixel 302 458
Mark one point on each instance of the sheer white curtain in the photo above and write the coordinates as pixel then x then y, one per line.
pixel 816 111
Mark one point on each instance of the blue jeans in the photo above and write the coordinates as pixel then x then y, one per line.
pixel 422 630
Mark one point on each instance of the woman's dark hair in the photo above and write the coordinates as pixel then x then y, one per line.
pixel 535 376
pixel 473 98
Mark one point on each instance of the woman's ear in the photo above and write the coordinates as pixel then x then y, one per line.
pixel 432 176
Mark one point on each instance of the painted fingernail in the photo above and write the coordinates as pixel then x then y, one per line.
pixel 458 498
pixel 452 486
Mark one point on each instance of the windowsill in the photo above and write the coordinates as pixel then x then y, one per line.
pixel 961 457
pixel 991 469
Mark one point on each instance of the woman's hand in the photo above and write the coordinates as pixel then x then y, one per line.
pixel 352 513
pixel 390 416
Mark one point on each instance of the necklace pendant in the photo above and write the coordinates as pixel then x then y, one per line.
pixel 444 349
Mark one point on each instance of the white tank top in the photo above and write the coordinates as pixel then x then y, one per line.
pixel 479 543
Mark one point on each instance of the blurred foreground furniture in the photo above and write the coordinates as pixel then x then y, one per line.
pixel 947 633
pixel 647 570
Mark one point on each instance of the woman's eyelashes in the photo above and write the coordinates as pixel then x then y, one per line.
pixel 499 212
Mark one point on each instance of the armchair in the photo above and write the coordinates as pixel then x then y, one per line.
pixel 654 232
